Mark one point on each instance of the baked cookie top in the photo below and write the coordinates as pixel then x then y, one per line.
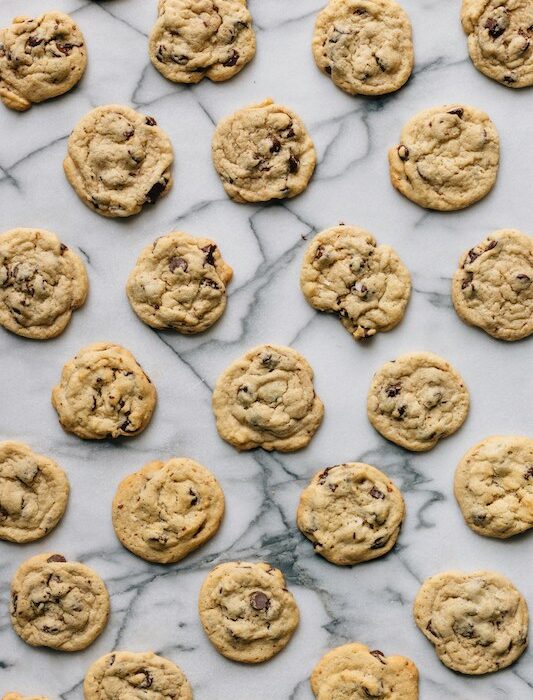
pixel 247 611
pixel 354 671
pixel 118 160
pixel 196 39
pixel 179 282
pixel 263 152
pixel 500 34
pixel 477 622
pixel 40 58
pixel 493 287
pixel 494 486
pixel 447 158
pixel 128 674
pixel 267 399
pixel 416 400
pixel 104 392
pixel 345 271
pixel 365 46
pixel 41 283
pixel 58 604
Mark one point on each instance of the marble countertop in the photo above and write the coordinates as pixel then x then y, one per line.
pixel 154 607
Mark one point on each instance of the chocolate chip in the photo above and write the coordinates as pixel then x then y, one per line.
pixel 259 601
pixel 294 164
pixel 403 152
pixel 128 134
pixel 509 79
pixel 402 410
pixel 472 255
pixel 155 192
pixel 209 251
pixel 150 121
pixel 180 60
pixel 148 679
pixel 479 518
pixel 491 245
pixel 393 390
pixel 459 112
pixel 529 473
pixel 232 60
pixel 360 11
pixel 63 248
pixel 379 655
pixel 431 630
pixel 207 282
pixel 319 252
pixel 328 70
pixel 65 48
pixel 56 557
pixel 112 659
pixel 194 499
pixel 177 263
pixel 276 146
pixel 380 542
pixel 376 493
pixel 495 29
pixel 34 41
pixel 324 475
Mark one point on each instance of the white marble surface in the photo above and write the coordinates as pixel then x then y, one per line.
pixel 155 606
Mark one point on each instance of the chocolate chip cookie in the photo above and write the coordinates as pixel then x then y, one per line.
pixel 416 400
pixel 179 283
pixel 58 604
pixel 104 393
pixel 346 272
pixel 477 622
pixel 118 160
pixel 267 399
pixel 447 158
pixel 263 152
pixel 18 696
pixel 247 611
pixel 493 287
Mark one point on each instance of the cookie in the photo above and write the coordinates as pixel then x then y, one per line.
pixel 366 46
pixel 196 39
pixel 18 696
pixel 247 611
pixel 41 283
pixel 494 486
pixel 346 272
pixel 263 152
pixel 33 493
pixel 179 283
pixel 416 400
pixel 447 159
pixel 58 604
pixel 267 399
pixel 477 622
pixel 118 160
pixel 493 287
pixel 104 393
pixel 351 513
pixel 40 58
pixel 354 671
pixel 500 38
pixel 128 674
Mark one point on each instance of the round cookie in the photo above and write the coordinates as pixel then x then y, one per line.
pixel 118 160
pixel 179 282
pixel 128 674
pixel 365 46
pixel 263 152
pixel 196 39
pixel 478 622
pixel 41 283
pixel 500 34
pixel 18 696
pixel 345 271
pixel 40 58
pixel 58 604
pixel 494 486
pixel 447 158
pixel 33 493
pixel 351 513
pixel 354 671
pixel 416 400
pixel 247 611
pixel 493 287
pixel 267 399
pixel 104 392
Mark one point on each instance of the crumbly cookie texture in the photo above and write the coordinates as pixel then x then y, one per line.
pixel 351 513
pixel 58 604
pixel 40 58
pixel 33 493
pixel 477 622
pixel 493 287
pixel 494 486
pixel 196 39
pixel 247 611
pixel 416 400
pixel 104 392
pixel 365 46
pixel 128 674
pixel 500 34
pixel 346 272
pixel 18 696
pixel 447 158
pixel 118 160
pixel 263 152
pixel 41 283
pixel 267 399
pixel 354 671
pixel 179 283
